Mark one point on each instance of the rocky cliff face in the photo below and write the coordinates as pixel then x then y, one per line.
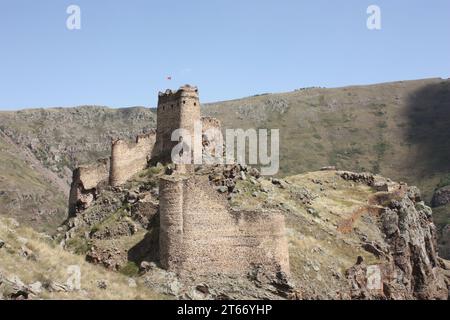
pixel 412 268
pixel 441 209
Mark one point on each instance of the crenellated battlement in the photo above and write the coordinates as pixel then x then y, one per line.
pixel 186 91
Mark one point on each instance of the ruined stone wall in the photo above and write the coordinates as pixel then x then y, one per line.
pixel 85 185
pixel 199 234
pixel 180 109
pixel 212 138
pixel 210 123
pixel 127 159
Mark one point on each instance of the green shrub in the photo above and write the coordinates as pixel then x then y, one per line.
pixel 382 125
pixel 78 245
pixel 94 229
pixel 130 269
pixel 379 113
pixel 445 181
pixel 376 167
pixel 381 147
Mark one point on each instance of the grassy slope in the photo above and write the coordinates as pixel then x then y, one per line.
pixel 51 263
pixel 77 135
pixel 319 253
pixel 25 194
pixel 401 129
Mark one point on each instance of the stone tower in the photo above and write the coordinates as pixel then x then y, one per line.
pixel 180 109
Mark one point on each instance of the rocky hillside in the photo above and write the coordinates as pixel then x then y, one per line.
pixel 48 272
pixel 400 130
pixel 29 191
pixel 341 227
pixel 64 138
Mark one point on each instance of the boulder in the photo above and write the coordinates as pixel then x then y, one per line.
pixel 276 182
pixel 132 283
pixel 441 197
pixel 13 288
pixel 132 197
pixel 36 287
pixel 146 266
pixel 102 284
pixel 254 172
pixel 381 186
pixel 414 194
pixel 222 189
pixel 328 168
pixel 54 286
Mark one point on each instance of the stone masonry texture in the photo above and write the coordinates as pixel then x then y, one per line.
pixel 199 234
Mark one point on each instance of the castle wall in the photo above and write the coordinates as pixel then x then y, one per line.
pixel 127 159
pixel 85 183
pixel 210 123
pixel 200 235
pixel 212 138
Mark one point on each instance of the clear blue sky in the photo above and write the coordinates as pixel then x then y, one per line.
pixel 229 48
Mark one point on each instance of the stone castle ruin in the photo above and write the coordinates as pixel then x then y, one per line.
pixel 199 232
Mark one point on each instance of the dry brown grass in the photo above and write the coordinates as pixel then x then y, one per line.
pixel 315 240
pixel 51 264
